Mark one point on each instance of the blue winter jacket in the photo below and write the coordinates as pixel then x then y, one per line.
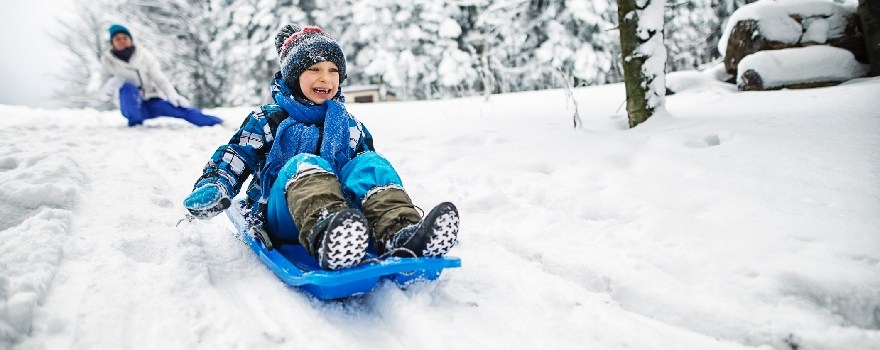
pixel 246 153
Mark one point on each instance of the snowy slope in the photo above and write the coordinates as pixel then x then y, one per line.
pixel 738 220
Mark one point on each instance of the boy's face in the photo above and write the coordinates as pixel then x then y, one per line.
pixel 121 41
pixel 320 82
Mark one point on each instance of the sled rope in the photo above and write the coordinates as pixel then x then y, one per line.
pixel 188 218
pixel 379 258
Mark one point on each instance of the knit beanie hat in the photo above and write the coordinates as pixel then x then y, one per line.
pixel 116 29
pixel 300 48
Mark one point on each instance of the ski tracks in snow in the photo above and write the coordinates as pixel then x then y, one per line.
pixel 111 286
pixel 43 182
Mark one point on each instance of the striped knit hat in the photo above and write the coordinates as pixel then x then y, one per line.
pixel 300 48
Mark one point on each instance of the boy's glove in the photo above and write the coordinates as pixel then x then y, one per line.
pixel 207 200
pixel 178 100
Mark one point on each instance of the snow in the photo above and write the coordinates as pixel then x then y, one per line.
pixel 449 29
pixel 734 221
pixel 803 65
pixel 816 31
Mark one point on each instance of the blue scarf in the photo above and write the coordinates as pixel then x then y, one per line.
pixel 299 133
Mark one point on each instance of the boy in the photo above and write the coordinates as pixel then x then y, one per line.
pixel 317 179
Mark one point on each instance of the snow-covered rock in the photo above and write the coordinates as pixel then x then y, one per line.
pixel 780 24
pixel 798 67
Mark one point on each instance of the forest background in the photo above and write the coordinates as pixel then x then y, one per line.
pixel 221 52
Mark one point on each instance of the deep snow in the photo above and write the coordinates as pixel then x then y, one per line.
pixel 738 220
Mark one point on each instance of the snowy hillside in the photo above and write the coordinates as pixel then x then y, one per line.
pixel 738 220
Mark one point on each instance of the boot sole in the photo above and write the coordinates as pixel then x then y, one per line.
pixel 444 232
pixel 346 243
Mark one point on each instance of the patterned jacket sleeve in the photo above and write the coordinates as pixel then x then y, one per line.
pixel 364 139
pixel 232 163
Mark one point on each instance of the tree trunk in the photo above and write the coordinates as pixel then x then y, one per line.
pixel 641 47
pixel 869 12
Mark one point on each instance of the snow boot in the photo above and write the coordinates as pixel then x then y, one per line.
pixel 431 237
pixel 399 229
pixel 340 240
pixel 331 232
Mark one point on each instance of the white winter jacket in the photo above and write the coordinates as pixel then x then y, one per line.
pixel 142 70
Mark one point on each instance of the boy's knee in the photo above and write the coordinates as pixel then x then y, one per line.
pixel 367 171
pixel 304 163
pixel 129 88
pixel 370 162
pixel 132 108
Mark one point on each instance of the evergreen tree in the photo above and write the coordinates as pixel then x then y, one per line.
pixel 84 37
pixel 527 44
pixel 579 43
pixel 402 43
pixel 221 52
pixel 251 58
pixel 507 36
pixel 692 31
pixel 456 71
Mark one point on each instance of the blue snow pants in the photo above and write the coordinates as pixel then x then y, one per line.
pixel 363 173
pixel 136 110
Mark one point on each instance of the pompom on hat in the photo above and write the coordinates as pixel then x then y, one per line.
pixel 300 48
pixel 118 28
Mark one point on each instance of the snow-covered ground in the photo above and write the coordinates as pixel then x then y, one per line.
pixel 738 220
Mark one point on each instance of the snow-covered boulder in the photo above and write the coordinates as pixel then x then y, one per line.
pixel 799 67
pixel 781 24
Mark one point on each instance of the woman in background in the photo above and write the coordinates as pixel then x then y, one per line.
pixel 144 91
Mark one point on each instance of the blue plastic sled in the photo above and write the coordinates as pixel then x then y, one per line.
pixel 293 265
